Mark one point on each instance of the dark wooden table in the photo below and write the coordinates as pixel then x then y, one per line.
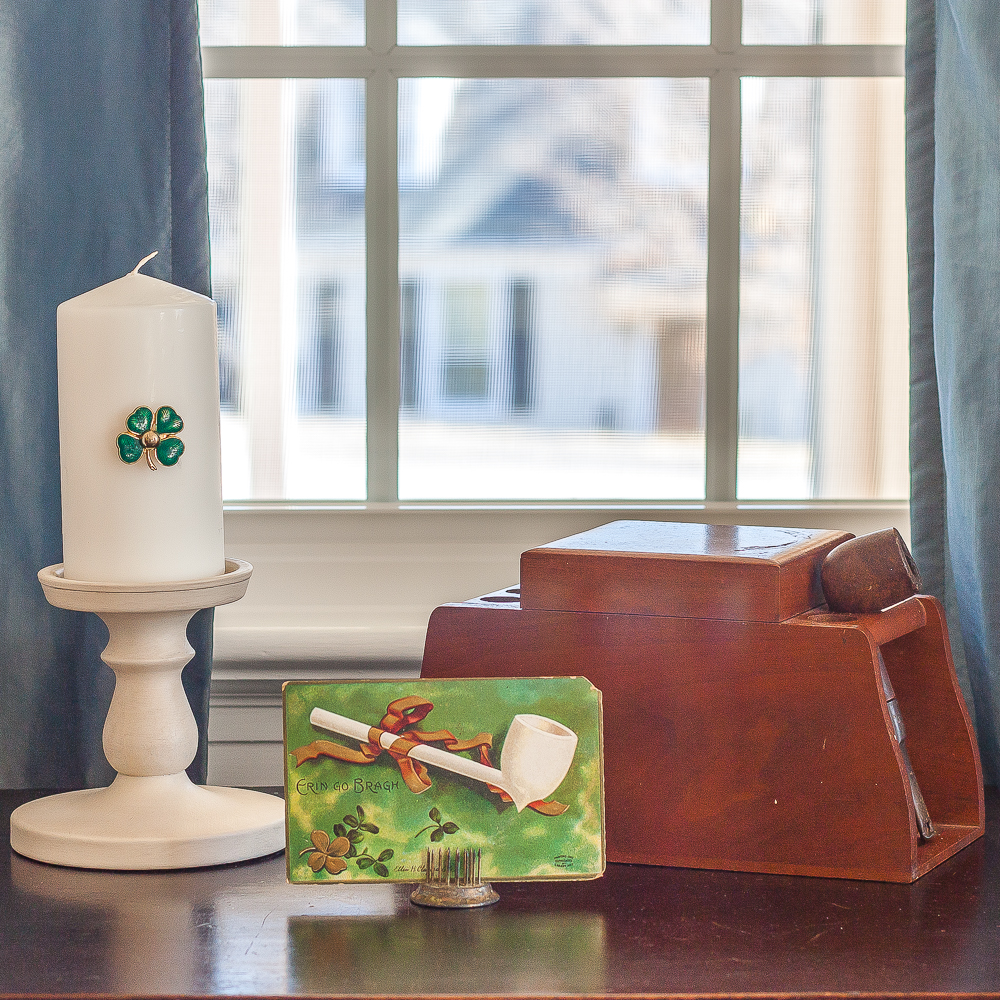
pixel 639 931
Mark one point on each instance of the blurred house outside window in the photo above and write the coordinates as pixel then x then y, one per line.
pixel 625 250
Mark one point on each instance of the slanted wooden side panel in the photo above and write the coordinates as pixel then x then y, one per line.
pixel 939 733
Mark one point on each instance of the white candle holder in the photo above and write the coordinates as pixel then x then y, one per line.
pixel 152 816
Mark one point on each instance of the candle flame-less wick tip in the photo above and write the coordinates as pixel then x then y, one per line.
pixel 145 260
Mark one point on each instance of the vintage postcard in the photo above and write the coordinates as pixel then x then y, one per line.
pixel 377 772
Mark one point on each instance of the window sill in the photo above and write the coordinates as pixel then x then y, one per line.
pixel 352 586
pixel 342 591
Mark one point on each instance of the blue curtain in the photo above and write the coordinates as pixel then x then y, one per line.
pixel 102 160
pixel 953 205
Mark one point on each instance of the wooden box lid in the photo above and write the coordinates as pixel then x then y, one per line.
pixel 728 572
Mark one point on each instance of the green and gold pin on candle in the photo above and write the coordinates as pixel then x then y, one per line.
pixel 159 442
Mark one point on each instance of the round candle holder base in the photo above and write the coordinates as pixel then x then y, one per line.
pixel 151 816
pixel 147 823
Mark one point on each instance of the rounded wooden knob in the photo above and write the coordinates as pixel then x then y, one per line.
pixel 869 573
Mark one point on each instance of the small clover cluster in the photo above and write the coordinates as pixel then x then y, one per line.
pixel 331 854
pixel 353 826
pixel 326 853
pixel 365 860
pixel 437 828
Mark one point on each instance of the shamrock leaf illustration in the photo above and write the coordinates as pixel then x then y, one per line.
pixel 142 438
pixel 326 853
pixel 438 829
pixel 366 861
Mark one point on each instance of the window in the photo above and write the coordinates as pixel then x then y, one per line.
pixel 490 273
pixel 634 250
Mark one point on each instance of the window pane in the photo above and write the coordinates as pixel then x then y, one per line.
pixel 553 262
pixel 823 312
pixel 282 22
pixel 286 199
pixel 556 22
pixel 824 22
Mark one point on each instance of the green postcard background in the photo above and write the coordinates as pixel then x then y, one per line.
pixel 514 845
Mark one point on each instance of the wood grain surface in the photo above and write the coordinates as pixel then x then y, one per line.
pixel 640 931
pixel 717 571
pixel 751 746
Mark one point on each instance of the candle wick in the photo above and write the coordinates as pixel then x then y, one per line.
pixel 148 257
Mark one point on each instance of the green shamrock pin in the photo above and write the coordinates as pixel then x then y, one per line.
pixel 142 439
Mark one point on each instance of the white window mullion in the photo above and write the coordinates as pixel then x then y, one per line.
pixel 472 61
pixel 727 25
pixel 722 360
pixel 382 253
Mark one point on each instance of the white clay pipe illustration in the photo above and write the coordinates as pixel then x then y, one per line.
pixel 536 754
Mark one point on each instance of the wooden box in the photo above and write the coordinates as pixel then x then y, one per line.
pixel 746 728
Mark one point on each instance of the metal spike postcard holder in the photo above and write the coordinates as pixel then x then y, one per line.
pixel 453 880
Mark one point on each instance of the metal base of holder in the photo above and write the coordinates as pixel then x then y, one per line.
pixel 453 896
pixel 453 880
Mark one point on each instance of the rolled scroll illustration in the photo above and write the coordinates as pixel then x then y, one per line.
pixel 536 756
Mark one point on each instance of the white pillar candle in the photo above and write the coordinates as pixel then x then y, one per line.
pixel 139 441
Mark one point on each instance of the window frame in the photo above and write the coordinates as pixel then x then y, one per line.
pixel 475 545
